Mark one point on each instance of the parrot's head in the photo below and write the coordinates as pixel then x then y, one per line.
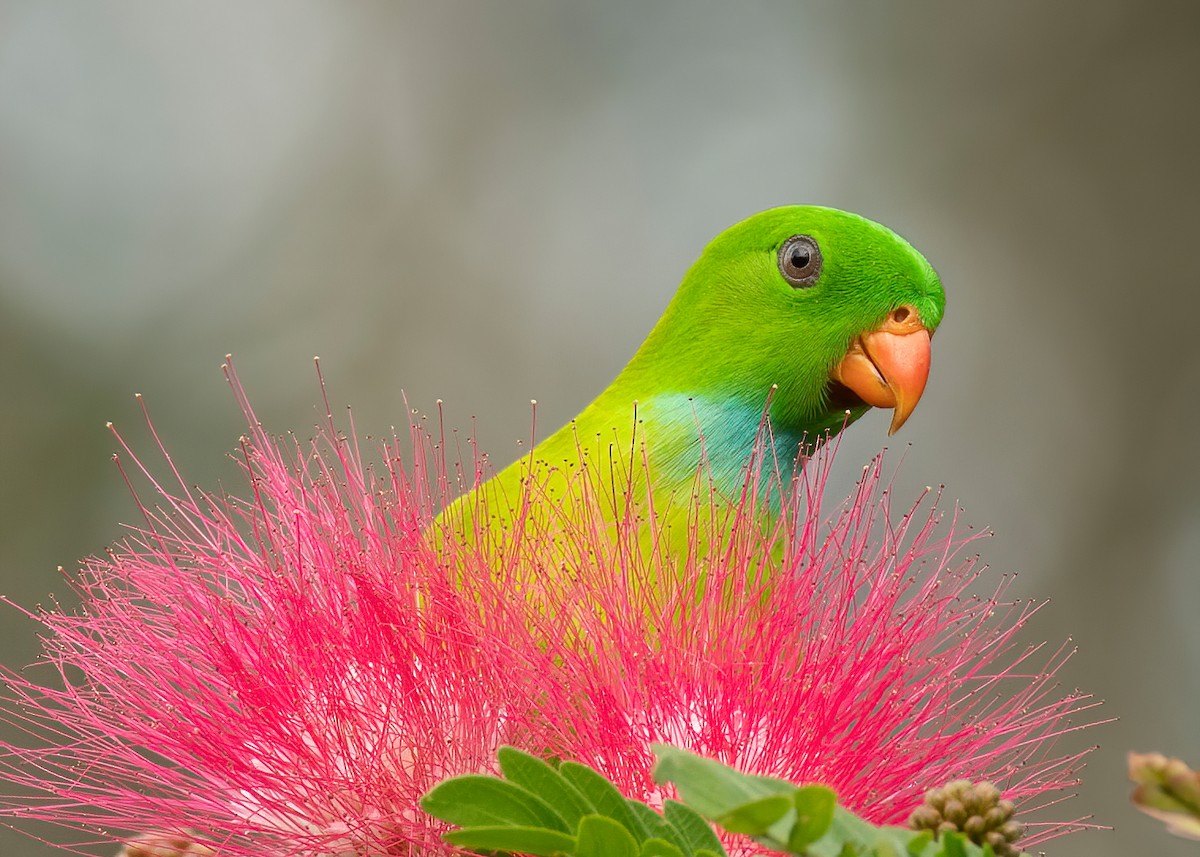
pixel 834 311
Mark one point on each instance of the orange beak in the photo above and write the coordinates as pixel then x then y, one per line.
pixel 888 367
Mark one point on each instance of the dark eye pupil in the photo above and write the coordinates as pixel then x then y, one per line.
pixel 800 258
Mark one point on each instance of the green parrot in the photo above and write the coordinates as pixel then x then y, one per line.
pixel 804 315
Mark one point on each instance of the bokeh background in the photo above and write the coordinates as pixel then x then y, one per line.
pixel 492 202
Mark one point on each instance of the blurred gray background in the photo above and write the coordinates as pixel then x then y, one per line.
pixel 490 203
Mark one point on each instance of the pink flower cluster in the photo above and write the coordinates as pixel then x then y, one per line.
pixel 286 672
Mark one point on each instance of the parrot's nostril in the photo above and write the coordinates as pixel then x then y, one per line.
pixel 900 314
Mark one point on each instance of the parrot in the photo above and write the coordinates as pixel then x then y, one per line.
pixel 800 319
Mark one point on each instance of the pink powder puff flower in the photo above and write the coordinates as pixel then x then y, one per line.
pixel 286 673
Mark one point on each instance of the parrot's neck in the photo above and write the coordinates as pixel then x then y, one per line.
pixel 666 442
pixel 720 438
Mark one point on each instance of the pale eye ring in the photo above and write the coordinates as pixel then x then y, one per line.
pixel 800 261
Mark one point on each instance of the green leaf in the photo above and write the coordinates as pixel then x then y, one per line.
pixel 709 787
pixel 604 796
pixel 919 843
pixel 475 800
pixel 695 833
pixel 526 840
pixel 950 844
pixel 815 806
pixel 845 829
pixel 883 848
pixel 603 837
pixel 656 826
pixel 953 845
pixel 902 840
pixel 660 848
pixel 757 816
pixel 537 777
pixel 704 852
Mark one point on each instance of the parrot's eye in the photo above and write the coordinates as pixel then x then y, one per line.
pixel 800 261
